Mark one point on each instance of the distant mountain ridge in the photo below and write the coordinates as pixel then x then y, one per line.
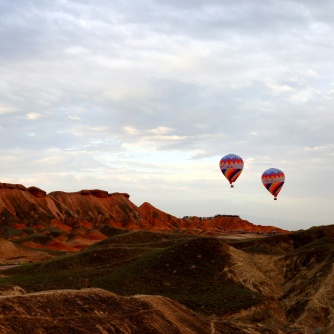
pixel 32 206
pixel 71 220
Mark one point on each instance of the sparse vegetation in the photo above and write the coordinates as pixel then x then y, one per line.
pixel 52 231
pixel 11 232
pixel 111 231
pixel 187 269
pixel 28 230
pixel 36 237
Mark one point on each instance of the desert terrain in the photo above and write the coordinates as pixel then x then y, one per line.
pixel 93 262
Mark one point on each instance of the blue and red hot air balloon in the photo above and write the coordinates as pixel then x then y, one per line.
pixel 231 166
pixel 273 179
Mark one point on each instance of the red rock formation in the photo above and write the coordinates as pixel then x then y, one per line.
pixel 99 193
pixel 9 185
pixel 64 213
pixel 156 219
pixel 122 194
pixel 85 192
pixel 20 187
pixel 37 192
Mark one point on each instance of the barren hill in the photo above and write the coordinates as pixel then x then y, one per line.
pixel 99 311
pixel 277 284
pixel 95 311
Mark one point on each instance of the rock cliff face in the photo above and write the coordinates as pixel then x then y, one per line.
pixel 72 220
pixel 32 206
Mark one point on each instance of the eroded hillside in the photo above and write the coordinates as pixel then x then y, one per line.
pixel 277 284
pixel 60 221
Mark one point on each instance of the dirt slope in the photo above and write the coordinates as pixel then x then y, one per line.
pixel 98 311
pixel 95 311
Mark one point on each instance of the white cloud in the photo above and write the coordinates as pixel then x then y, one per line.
pixel 319 148
pixel 7 109
pixel 148 96
pixel 33 116
pixel 74 118
pixel 76 50
pixel 280 88
pixel 302 96
pixel 131 130
pixel 100 128
pixel 164 138
pixel 161 130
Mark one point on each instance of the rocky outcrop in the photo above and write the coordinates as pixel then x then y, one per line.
pixel 32 206
pixel 122 194
pixel 100 193
pixel 85 192
pixel 20 187
pixel 13 186
pixel 96 192
pixel 37 192
pixel 158 220
pixel 8 185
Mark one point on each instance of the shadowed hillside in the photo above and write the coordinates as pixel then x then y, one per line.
pixel 95 311
pixel 147 263
pixel 277 284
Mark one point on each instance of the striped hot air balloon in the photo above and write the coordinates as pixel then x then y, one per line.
pixel 231 166
pixel 273 179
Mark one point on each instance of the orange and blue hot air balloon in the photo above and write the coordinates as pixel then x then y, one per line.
pixel 273 179
pixel 231 166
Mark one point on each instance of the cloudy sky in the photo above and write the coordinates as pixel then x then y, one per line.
pixel 146 96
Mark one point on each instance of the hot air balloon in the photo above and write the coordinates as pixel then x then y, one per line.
pixel 273 179
pixel 231 166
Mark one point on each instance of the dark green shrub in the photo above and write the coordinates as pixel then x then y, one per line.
pixel 11 231
pixel 28 230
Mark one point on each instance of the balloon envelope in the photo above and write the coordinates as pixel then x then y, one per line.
pixel 273 179
pixel 231 166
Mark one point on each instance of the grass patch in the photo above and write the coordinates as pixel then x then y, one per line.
pixel 110 231
pixel 11 231
pixel 39 238
pixel 322 242
pixel 28 230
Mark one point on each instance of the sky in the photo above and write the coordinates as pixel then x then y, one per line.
pixel 147 96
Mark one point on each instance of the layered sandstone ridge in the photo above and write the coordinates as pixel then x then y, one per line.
pixel 33 206
pixel 71 221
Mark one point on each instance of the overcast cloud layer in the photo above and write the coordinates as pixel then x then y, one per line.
pixel 146 97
